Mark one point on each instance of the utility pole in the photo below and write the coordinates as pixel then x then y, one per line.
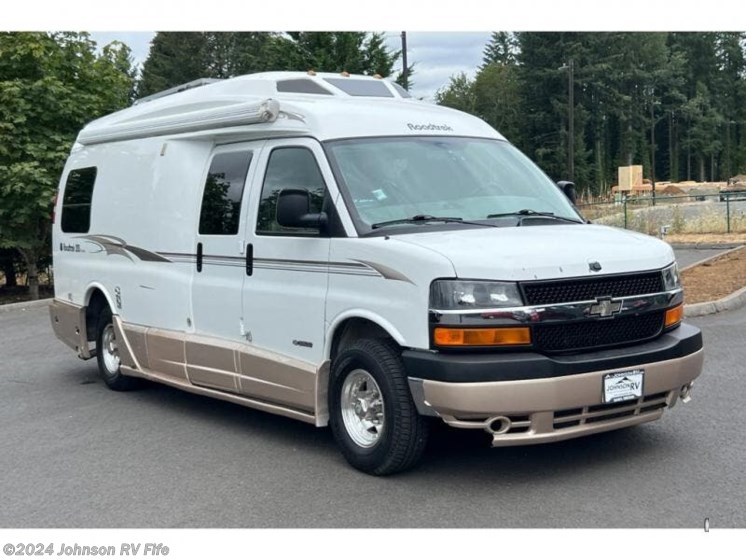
pixel 570 67
pixel 405 71
pixel 652 142
pixel 728 168
pixel 571 126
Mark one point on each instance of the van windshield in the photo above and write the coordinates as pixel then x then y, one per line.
pixel 389 179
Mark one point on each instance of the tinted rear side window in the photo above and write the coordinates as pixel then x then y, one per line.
pixel 221 201
pixel 76 204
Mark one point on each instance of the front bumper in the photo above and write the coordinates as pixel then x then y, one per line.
pixel 530 398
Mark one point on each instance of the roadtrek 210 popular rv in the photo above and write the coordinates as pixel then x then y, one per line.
pixel 323 247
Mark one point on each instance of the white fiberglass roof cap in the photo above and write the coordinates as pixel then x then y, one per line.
pixel 322 105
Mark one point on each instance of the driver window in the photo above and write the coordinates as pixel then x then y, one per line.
pixel 289 168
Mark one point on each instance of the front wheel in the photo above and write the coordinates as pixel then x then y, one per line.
pixel 107 355
pixel 372 415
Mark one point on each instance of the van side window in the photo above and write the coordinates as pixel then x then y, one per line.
pixel 76 204
pixel 221 201
pixel 289 168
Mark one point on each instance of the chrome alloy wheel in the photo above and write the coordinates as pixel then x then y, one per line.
pixel 362 408
pixel 110 350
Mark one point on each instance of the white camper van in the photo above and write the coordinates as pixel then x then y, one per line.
pixel 322 247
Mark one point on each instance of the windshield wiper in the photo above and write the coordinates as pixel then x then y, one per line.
pixel 528 212
pixel 423 218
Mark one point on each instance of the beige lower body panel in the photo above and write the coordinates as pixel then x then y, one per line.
pixel 227 370
pixel 221 395
pixel 553 409
pixel 68 323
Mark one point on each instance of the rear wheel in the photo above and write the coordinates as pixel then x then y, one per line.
pixel 372 415
pixel 107 355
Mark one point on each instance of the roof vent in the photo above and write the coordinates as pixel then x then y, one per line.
pixel 362 88
pixel 301 85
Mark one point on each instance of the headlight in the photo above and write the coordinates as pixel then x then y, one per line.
pixel 671 280
pixel 448 295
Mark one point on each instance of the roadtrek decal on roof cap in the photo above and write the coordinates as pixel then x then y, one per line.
pixel 430 126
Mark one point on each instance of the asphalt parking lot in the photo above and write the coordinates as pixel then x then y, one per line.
pixel 75 454
pixel 688 257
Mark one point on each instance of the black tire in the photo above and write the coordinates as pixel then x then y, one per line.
pixel 402 438
pixel 114 379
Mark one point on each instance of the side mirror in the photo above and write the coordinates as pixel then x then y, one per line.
pixel 294 210
pixel 568 187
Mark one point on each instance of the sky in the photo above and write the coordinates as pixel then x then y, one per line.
pixel 443 38
pixel 436 55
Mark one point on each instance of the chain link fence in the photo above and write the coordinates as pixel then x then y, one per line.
pixel 662 215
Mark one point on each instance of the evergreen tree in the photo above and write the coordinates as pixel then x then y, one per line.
pixel 353 52
pixel 175 58
pixel 543 70
pixel 731 99
pixel 502 49
pixel 708 134
pixel 702 139
pixel 410 73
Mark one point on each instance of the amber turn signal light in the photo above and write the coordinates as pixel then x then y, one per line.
pixel 482 337
pixel 674 315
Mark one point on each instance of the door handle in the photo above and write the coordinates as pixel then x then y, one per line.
pixel 249 259
pixel 199 257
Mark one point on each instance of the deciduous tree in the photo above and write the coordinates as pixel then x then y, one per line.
pixel 50 86
pixel 458 94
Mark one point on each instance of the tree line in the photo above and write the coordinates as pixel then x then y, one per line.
pixel 678 99
pixel 179 57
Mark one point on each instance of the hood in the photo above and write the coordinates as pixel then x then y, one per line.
pixel 544 251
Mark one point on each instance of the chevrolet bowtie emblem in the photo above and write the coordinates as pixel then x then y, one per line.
pixel 605 307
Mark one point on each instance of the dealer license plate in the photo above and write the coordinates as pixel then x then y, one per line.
pixel 623 385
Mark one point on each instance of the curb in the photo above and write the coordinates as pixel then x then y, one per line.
pixel 25 305
pixel 735 300
pixel 728 303
pixel 705 245
pixel 729 250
